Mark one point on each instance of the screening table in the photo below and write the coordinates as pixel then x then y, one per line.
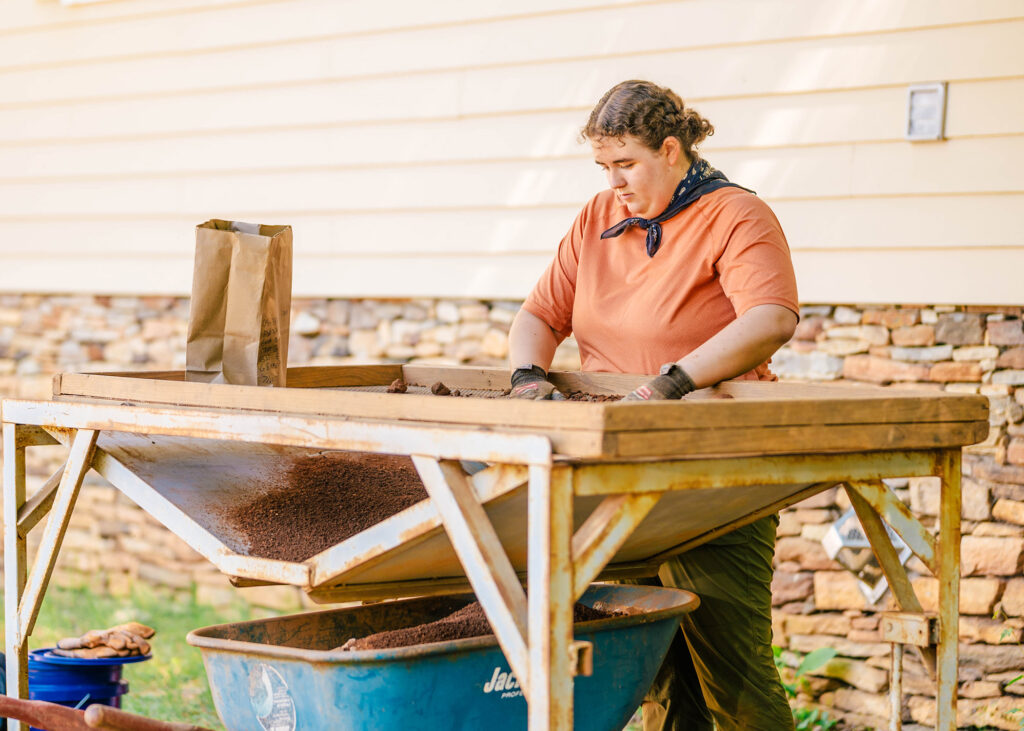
pixel 573 491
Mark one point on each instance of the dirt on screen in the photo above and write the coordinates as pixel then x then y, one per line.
pixel 323 499
pixel 470 621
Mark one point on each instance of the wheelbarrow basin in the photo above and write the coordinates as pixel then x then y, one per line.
pixel 283 673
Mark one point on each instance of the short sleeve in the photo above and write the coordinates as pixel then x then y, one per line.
pixel 754 267
pixel 553 296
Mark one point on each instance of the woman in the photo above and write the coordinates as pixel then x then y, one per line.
pixel 676 271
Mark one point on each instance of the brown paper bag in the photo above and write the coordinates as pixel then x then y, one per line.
pixel 241 300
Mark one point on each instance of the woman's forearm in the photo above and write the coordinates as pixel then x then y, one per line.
pixel 741 346
pixel 530 340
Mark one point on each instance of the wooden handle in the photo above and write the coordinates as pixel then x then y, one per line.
pixel 42 714
pixel 113 719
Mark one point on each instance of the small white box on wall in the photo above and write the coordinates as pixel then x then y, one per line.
pixel 926 111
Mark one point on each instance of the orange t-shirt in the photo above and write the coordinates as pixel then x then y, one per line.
pixel 631 313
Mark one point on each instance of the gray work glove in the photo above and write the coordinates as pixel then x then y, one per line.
pixel 672 383
pixel 532 384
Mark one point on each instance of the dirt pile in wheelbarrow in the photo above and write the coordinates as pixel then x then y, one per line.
pixel 470 621
pixel 323 499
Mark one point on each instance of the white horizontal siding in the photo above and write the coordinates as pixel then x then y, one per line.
pixel 977 109
pixel 418 146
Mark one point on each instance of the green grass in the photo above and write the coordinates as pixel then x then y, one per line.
pixel 170 687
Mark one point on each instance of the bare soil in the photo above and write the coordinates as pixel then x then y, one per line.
pixel 324 499
pixel 470 621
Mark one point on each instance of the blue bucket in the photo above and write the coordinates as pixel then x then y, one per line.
pixel 281 672
pixel 77 682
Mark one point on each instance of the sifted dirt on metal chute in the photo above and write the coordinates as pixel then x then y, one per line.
pixel 323 499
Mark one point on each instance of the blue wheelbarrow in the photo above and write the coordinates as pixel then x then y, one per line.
pixel 282 674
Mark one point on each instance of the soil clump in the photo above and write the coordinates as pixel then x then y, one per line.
pixel 470 621
pixel 323 499
pixel 596 397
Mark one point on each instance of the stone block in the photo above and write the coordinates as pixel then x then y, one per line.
pixel 990 659
pixel 991 556
pixel 1015 451
pixel 810 555
pixel 1010 511
pixel 975 500
pixel 809 328
pixel 924 495
pixel 447 311
pixel 163 576
pixel 281 598
pixel 978 595
pixel 788 524
pixel 980 689
pixel 818 624
pixel 837 590
pixel 842 645
pixel 882 370
pixel 860 701
pixel 216 596
pixel 815 515
pixel 903 317
pixel 842 347
pixel 955 371
pixel 790 587
pixel 787 363
pixel 365 343
pixel 1012 601
pixel 814 532
pixel 120 584
pixel 873 334
pixel 474 311
pixel 1006 332
pixel 958 328
pixel 864 635
pixel 504 313
pixel 495 343
pixel 914 335
pixel 932 354
pixel 1012 358
pixel 306 324
pixel 976 352
pixel 998 529
pixel 989 631
pixel 824 499
pixel 988 470
pixel 1011 377
pixel 846 315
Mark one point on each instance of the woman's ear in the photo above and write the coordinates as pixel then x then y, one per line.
pixel 672 149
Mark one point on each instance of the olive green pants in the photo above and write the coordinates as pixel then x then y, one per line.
pixel 719 672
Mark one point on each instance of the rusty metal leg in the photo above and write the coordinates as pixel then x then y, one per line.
pixel 480 551
pixel 550 599
pixel 14 566
pixel 948 561
pixel 79 462
pixel 603 534
pixel 896 689
pixel 885 552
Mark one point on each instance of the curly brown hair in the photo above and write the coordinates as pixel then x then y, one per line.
pixel 648 112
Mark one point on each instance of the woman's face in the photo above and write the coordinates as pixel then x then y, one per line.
pixel 643 179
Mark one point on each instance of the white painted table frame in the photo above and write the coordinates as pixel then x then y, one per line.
pixel 534 629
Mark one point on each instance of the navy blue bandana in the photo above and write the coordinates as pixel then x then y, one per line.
pixel 701 178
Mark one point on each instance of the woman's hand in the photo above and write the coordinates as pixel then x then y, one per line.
pixel 531 346
pixel 673 383
pixel 532 384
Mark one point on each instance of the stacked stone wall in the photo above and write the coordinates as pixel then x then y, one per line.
pixel 111 543
pixel 978 350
